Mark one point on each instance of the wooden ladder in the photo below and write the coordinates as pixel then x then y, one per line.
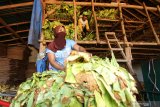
pixel 112 39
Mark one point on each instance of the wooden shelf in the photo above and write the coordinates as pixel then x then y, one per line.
pixel 104 19
pixel 104 42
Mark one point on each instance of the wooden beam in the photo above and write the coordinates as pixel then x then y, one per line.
pixel 17 12
pixel 3 41
pixel 21 31
pixel 132 14
pixel 102 5
pixel 151 25
pixel 16 5
pixel 141 12
pixel 95 20
pixel 11 30
pixel 15 24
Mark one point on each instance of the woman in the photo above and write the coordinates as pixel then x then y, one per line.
pixel 60 48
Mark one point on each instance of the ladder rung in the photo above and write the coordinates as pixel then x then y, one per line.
pixel 116 49
pixel 113 40
pixel 110 33
pixel 121 60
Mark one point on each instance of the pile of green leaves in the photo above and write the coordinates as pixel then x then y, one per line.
pixel 116 87
pixel 48 30
pixel 107 13
pixel 87 82
pixel 50 90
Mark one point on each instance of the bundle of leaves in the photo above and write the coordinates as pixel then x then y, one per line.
pixel 107 13
pixel 87 82
pixel 64 11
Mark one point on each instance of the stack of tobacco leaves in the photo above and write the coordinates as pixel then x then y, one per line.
pixel 87 82
pixel 12 71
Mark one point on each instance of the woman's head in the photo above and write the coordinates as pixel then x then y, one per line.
pixel 59 33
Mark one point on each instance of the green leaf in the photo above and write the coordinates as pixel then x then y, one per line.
pixel 74 103
pixel 99 100
pixel 69 76
pixel 30 100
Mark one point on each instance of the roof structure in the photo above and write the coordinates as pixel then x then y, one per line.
pixel 138 21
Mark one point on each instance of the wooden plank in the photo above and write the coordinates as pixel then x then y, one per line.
pixel 16 5
pixel 95 20
pixel 11 30
pixel 103 5
pixel 12 33
pixel 151 25
pixel 15 24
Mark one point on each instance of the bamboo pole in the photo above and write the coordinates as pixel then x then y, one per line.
pixel 95 19
pixel 151 25
pixel 103 5
pixel 75 20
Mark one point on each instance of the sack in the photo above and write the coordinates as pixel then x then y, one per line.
pixel 41 63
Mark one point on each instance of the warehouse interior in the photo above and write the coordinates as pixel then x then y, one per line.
pixel 135 23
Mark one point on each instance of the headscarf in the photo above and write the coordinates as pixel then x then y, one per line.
pixel 59 41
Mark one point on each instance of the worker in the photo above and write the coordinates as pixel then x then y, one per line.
pixel 60 48
pixel 83 24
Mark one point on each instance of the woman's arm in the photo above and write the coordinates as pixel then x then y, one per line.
pixel 52 61
pixel 79 48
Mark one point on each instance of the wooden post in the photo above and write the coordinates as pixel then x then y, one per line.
pixel 42 39
pixel 75 20
pixel 96 25
pixel 128 54
pixel 122 25
pixel 151 25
